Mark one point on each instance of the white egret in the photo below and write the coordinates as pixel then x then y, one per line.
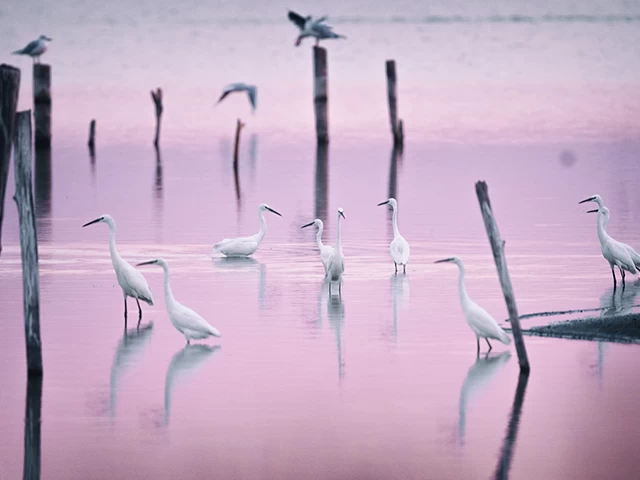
pixel 399 247
pixel 325 250
pixel 245 246
pixel 35 48
pixel 482 324
pixel 252 92
pixel 186 321
pixel 335 264
pixel 131 281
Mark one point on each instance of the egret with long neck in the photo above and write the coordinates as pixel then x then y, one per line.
pixel 482 324
pixel 399 247
pixel 245 246
pixel 325 250
pixel 185 320
pixel 335 266
pixel 131 281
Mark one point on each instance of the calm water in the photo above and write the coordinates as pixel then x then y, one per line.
pixel 541 101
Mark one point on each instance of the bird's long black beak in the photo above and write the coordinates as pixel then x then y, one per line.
pixel 590 199
pixel 592 211
pixel 444 260
pixel 307 225
pixel 383 203
pixel 273 211
pixel 92 222
pixel 150 262
pixel 342 215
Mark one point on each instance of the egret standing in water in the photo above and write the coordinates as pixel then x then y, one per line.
pixel 482 324
pixel 399 247
pixel 245 246
pixel 325 250
pixel 130 280
pixel 186 321
pixel 335 263
pixel 35 48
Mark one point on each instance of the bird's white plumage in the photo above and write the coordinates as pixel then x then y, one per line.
pixel 245 246
pixel 335 262
pixel 35 48
pixel 325 250
pixel 399 247
pixel 616 253
pixel 184 319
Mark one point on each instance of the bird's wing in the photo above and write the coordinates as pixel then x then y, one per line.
pixel 187 319
pixel 31 46
pixel 321 19
pixel 137 283
pixel 224 94
pixel 484 325
pixel 621 255
pixel 635 257
pixel 237 246
pixel 297 19
pixel 325 254
pixel 253 93
pixel 400 250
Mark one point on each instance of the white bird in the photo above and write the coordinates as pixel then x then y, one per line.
pixel 635 256
pixel 325 250
pixel 312 28
pixel 131 281
pixel 185 320
pixel 399 247
pixel 35 48
pixel 335 263
pixel 245 246
pixel 252 92
pixel 482 324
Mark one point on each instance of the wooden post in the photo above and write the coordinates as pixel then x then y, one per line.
pixel 28 242
pixel 92 135
pixel 157 100
pixel 397 129
pixel 42 104
pixel 322 181
pixel 497 245
pixel 9 88
pixel 32 422
pixel 320 94
pixel 239 127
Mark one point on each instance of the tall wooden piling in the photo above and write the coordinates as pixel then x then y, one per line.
pixel 320 94
pixel 322 181
pixel 497 246
pixel 28 242
pixel 9 88
pixel 236 147
pixel 397 129
pixel 32 423
pixel 42 104
pixel 156 96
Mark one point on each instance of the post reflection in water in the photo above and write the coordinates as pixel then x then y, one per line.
pixel 32 422
pixel 236 177
pixel 322 182
pixel 184 363
pixel 335 315
pixel 478 378
pixel 253 156
pixel 392 192
pixel 246 265
pixel 400 296
pixel 129 349
pixel 43 193
pixel 506 453
pixel 92 162
pixel 158 193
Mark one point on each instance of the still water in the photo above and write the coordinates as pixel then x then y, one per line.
pixel 384 381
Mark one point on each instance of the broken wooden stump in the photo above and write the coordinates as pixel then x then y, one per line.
pixel 42 104
pixel 157 101
pixel 92 136
pixel 9 88
pixel 397 129
pixel 236 147
pixel 28 242
pixel 497 246
pixel 320 94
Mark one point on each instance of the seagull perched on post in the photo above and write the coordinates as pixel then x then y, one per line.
pixel 252 92
pixel 312 28
pixel 35 48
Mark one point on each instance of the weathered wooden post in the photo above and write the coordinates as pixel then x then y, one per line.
pixel 497 245
pixel 92 135
pixel 397 129
pixel 322 181
pixel 320 94
pixel 239 127
pixel 157 101
pixel 28 242
pixel 32 422
pixel 9 88
pixel 42 104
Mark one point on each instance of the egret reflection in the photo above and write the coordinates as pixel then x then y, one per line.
pixel 248 266
pixel 335 315
pixel 253 156
pixel 400 296
pixel 128 351
pixel 479 376
pixel 183 364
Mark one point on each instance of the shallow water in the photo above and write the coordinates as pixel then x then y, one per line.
pixel 384 380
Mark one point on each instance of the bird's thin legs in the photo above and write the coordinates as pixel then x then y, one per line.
pixel 317 41
pixel 613 272
pixel 490 347
pixel 622 273
pixel 478 345
pixel 125 312
pixel 139 312
pixel 404 268
pixel 395 265
pixel 340 288
pixel 330 287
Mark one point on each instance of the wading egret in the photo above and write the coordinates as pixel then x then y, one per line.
pixel 245 246
pixel 399 247
pixel 482 324
pixel 186 321
pixel 252 92
pixel 325 250
pixel 35 48
pixel 130 280
pixel 335 264
pixel 613 251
